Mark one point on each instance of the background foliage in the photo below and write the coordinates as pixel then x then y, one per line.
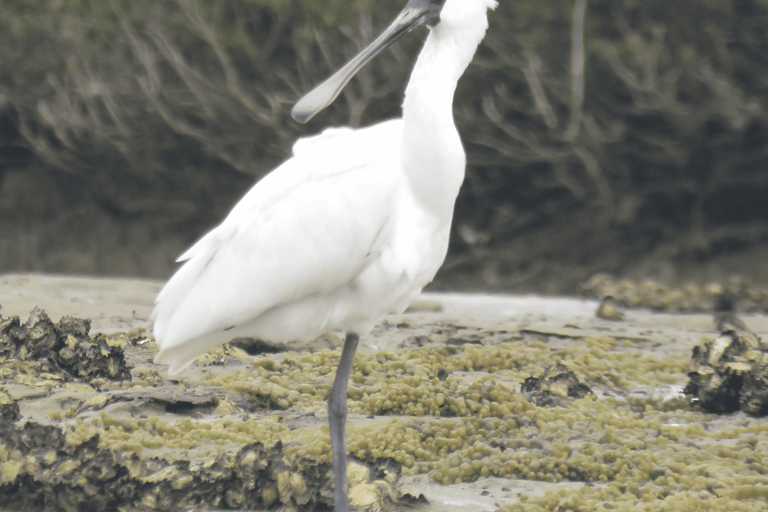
pixel 616 135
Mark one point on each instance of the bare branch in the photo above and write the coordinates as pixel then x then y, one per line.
pixel 577 69
pixel 194 14
pixel 531 72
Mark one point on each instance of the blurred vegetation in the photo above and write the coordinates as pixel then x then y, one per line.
pixel 610 135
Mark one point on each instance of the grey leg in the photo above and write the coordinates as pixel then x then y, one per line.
pixel 337 418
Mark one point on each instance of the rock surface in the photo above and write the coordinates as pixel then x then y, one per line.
pixel 435 408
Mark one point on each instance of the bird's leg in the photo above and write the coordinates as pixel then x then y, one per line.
pixel 337 417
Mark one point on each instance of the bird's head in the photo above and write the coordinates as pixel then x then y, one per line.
pixel 431 13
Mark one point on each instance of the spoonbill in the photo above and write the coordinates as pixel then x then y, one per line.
pixel 347 230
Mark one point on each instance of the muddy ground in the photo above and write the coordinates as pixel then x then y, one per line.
pixel 637 364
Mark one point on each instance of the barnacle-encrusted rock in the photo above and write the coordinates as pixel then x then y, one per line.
pixel 730 373
pixel 9 410
pixel 609 309
pixel 65 350
pixel 373 486
pixel 41 468
pixel 556 384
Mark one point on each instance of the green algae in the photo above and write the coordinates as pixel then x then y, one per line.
pixel 407 382
pixel 736 295
pixel 645 447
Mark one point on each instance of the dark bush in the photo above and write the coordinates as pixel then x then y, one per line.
pixel 599 135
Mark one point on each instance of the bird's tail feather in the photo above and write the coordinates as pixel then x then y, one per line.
pixel 180 356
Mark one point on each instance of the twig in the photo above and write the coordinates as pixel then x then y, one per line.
pixel 531 72
pixel 577 69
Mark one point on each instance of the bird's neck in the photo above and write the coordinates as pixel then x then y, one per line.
pixel 432 150
pixel 430 90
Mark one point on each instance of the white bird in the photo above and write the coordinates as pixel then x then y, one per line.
pixel 347 230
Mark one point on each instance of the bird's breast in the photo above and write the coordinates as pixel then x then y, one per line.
pixel 409 261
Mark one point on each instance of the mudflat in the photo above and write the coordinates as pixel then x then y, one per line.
pixel 438 420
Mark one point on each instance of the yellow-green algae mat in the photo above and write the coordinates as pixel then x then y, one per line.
pixel 435 412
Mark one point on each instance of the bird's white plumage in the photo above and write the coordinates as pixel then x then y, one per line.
pixel 348 229
pixel 316 245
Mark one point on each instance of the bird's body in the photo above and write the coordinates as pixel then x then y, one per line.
pixel 315 246
pixel 348 229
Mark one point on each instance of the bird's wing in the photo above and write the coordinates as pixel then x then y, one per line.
pixel 333 151
pixel 285 240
